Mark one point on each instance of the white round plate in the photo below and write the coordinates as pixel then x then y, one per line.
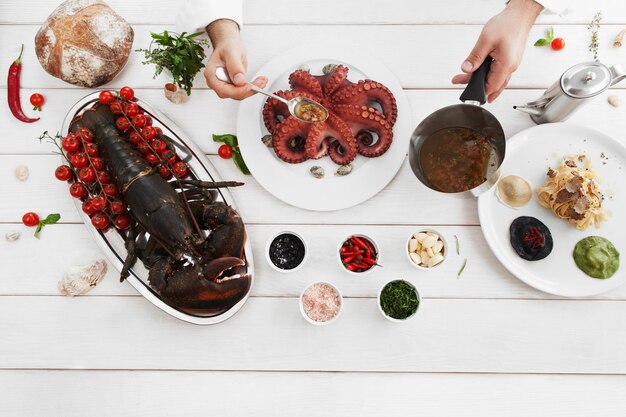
pixel 529 154
pixel 293 183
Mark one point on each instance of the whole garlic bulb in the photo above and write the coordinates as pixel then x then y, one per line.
pixel 79 280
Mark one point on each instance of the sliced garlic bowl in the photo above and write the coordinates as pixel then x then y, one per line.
pixel 426 249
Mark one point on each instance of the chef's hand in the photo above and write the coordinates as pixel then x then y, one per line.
pixel 229 52
pixel 504 37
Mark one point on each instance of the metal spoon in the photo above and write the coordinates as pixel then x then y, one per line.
pixel 293 105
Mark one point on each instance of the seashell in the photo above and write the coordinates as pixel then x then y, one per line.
pixel 12 235
pixel 317 172
pixel 304 67
pixel 614 100
pixel 21 172
pixel 329 68
pixel 344 170
pixel 175 94
pixel 267 141
pixel 79 280
pixel 514 191
pixel 413 244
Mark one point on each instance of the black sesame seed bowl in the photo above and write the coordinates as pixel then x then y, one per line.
pixel 286 251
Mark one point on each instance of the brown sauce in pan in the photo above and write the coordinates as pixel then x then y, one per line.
pixel 455 159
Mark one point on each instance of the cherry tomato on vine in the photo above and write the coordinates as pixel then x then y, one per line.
pixel 97 163
pixel 100 221
pixel 164 172
pixel 87 175
pixel 169 156
pixel 149 120
pixel 149 132
pixel 131 109
pixel 91 149
pixel 558 44
pixel 106 97
pixel 85 134
pixel 37 101
pixel 99 202
pixel 104 177
pixel 152 158
pixel 116 107
pixel 110 190
pixel 30 219
pixel 127 93
pixel 158 145
pixel 88 208
pixel 122 221
pixel 118 206
pixel 78 190
pixel 225 151
pixel 63 173
pixel 122 123
pixel 70 143
pixel 143 148
pixel 79 160
pixel 135 137
pixel 180 169
pixel 139 120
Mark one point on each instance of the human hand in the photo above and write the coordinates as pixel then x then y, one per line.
pixel 503 37
pixel 229 52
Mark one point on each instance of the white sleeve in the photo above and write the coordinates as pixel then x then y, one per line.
pixel 195 15
pixel 554 6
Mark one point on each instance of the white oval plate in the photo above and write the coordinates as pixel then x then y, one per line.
pixel 529 154
pixel 293 183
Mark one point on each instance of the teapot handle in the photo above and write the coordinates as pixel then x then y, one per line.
pixel 618 73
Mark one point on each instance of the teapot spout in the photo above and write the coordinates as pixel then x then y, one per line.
pixel 530 110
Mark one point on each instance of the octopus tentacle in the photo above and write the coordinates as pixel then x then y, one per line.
pixel 335 79
pixel 366 91
pixel 303 80
pixel 344 149
pixel 316 144
pixel 367 119
pixel 274 108
pixel 283 137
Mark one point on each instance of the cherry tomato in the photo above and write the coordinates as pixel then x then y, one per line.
pixel 99 202
pixel 79 160
pixel 104 177
pixel 70 143
pixel 127 93
pixel 116 107
pixel 91 149
pixel 131 109
pixel 85 134
pixel 78 190
pixel 87 175
pixel 149 132
pixel 135 137
pixel 100 221
pixel 97 164
pixel 139 120
pixel 110 190
pixel 158 145
pixel 180 169
pixel 30 219
pixel 106 97
pixel 159 130
pixel 152 158
pixel 558 44
pixel 118 206
pixel 88 208
pixel 169 156
pixel 122 221
pixel 37 101
pixel 225 151
pixel 164 172
pixel 148 120
pixel 122 123
pixel 143 148
pixel 63 173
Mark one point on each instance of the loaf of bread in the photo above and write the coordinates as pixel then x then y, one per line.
pixel 84 42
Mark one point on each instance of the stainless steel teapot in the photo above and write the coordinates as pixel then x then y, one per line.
pixel 580 82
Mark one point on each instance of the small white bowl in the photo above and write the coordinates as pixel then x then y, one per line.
pixel 419 302
pixel 444 251
pixel 267 251
pixel 376 248
pixel 320 323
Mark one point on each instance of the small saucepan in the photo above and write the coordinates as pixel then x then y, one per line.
pixel 459 149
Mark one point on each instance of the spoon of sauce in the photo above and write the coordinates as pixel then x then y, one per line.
pixel 301 108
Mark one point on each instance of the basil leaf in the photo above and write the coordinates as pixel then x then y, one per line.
pixel 52 218
pixel 541 42
pixel 227 139
pixel 39 227
pixel 550 34
pixel 239 162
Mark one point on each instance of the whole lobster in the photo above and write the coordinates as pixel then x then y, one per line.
pixel 191 272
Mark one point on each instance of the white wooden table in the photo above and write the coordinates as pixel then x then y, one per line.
pixel 484 344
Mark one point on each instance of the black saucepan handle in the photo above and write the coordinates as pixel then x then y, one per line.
pixel 475 90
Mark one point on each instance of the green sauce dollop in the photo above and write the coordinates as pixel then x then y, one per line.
pixel 596 257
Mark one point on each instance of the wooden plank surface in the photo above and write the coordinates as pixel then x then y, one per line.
pixel 81 393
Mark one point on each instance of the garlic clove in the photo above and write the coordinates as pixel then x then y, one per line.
pixel 420 236
pixel 413 243
pixel 417 260
pixel 435 260
pixel 429 242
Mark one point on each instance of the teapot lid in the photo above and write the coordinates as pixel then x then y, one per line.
pixel 585 80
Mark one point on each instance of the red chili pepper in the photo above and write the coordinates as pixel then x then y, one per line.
pixel 350 267
pixel 348 259
pixel 13 93
pixel 369 261
pixel 361 266
pixel 358 242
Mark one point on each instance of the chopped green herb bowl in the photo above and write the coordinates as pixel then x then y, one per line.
pixel 406 294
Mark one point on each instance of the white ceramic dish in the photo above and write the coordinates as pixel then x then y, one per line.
pixel 444 251
pixel 529 154
pixel 391 319
pixel 267 252
pixel 293 183
pixel 320 323
pixel 369 239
